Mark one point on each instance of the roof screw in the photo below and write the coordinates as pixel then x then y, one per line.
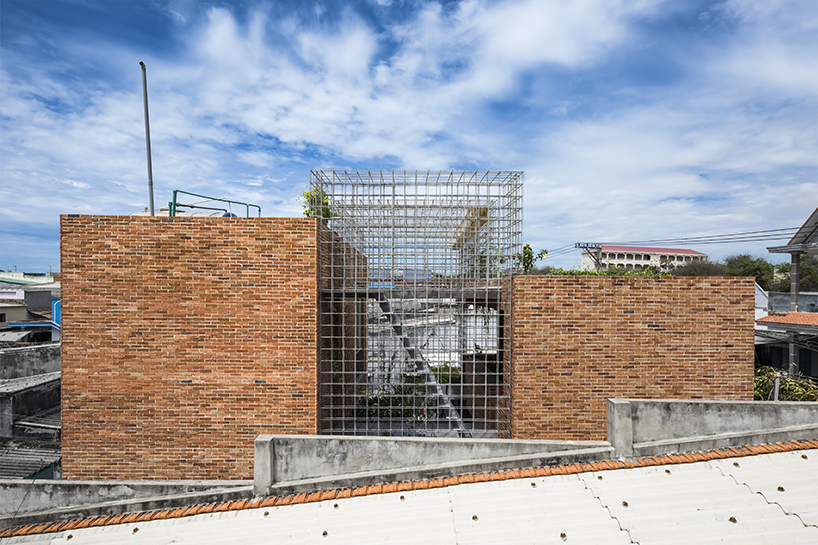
pixel 402 498
pixel 135 530
pixel 335 506
pixel 804 456
pixel 599 477
pixel 266 513
pixel 667 471
pixel 624 504
pixel 563 536
pixel 735 464
pixel 533 485
pixel 733 520
pixel 474 517
pixel 69 536
pixel 324 534
pixel 780 488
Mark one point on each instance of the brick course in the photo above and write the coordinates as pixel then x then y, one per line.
pixel 578 340
pixel 183 339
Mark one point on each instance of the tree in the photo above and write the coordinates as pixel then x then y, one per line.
pixel 316 205
pixel 701 268
pixel 747 265
pixel 808 280
pixel 527 258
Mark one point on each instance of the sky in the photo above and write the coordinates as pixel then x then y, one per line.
pixel 633 120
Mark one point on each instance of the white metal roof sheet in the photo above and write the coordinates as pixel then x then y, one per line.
pixel 703 502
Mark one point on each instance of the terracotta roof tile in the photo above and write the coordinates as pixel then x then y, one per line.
pixel 795 318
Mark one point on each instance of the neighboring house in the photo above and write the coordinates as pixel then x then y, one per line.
pixel 635 258
pixel 805 241
pixel 797 329
pixel 11 311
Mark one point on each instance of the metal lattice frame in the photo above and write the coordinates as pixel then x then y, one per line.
pixel 415 300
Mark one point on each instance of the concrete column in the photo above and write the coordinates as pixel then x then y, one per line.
pixel 620 427
pixel 795 273
pixel 263 464
pixel 6 416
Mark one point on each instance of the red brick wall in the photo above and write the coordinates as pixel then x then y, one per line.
pixel 183 339
pixel 579 340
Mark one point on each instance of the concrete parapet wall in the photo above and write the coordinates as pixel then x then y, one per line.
pixel 29 360
pixel 26 396
pixel 288 458
pixel 32 502
pixel 641 427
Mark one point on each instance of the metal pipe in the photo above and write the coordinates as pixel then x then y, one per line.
pixel 147 133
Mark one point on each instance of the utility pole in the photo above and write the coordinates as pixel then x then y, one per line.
pixel 147 133
pixel 596 255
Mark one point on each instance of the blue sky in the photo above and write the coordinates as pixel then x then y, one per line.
pixel 632 120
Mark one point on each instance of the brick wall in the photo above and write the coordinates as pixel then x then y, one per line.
pixel 579 340
pixel 183 339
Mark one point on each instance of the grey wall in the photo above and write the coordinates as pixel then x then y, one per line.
pixel 31 496
pixel 38 300
pixel 33 395
pixel 639 426
pixel 287 458
pixel 29 360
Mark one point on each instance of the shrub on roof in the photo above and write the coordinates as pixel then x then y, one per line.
pixel 790 387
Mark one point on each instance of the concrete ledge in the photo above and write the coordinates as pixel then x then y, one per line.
pixel 296 458
pixel 137 505
pixel 723 440
pixel 435 471
pixel 641 427
pixel 24 361
pixel 24 496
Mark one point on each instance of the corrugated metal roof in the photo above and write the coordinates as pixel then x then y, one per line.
pixel 808 233
pixel 735 500
pixel 21 458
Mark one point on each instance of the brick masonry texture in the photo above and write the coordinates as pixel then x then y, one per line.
pixel 183 339
pixel 579 340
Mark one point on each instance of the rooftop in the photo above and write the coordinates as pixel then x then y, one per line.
pixel 759 494
pixel 793 318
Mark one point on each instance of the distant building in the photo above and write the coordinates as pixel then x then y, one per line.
pixel 635 258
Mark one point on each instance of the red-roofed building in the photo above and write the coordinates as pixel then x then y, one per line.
pixel 635 258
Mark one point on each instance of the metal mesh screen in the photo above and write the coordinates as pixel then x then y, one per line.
pixel 415 300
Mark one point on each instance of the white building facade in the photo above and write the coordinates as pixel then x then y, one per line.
pixel 635 258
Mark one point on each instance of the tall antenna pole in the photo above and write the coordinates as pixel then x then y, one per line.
pixel 147 132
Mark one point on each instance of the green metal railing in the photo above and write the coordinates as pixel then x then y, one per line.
pixel 172 205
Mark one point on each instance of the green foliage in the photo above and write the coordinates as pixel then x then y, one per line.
pixel 316 205
pixel 790 387
pixel 447 374
pixel 747 265
pixel 527 258
pixel 701 268
pixel 650 270
pixel 808 280
pixel 403 401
